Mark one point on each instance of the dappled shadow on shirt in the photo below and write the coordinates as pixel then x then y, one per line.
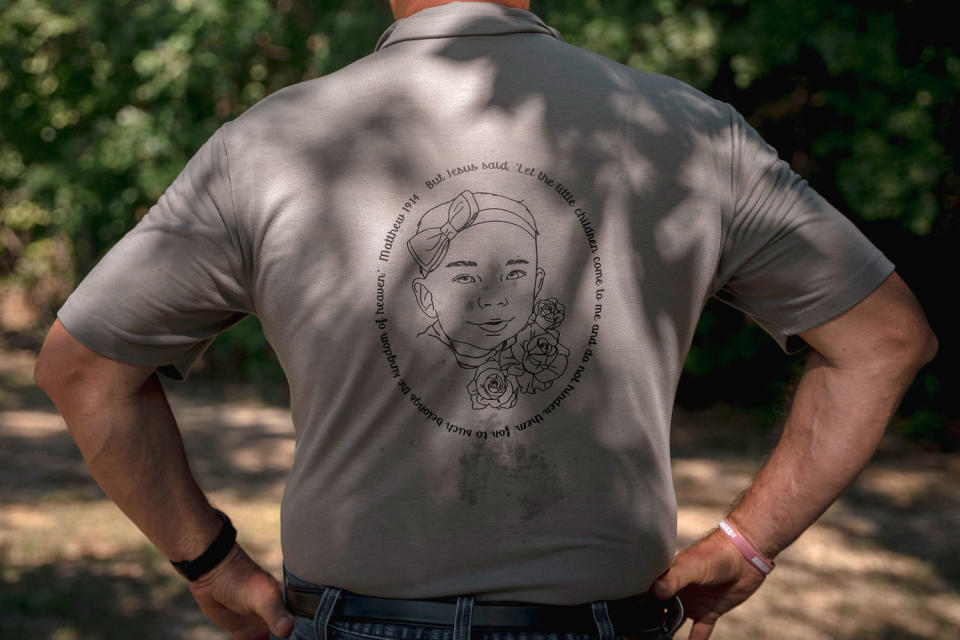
pixel 319 173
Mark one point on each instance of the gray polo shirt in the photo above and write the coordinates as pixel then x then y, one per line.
pixel 480 254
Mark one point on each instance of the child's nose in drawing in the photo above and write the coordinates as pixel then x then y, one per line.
pixel 492 299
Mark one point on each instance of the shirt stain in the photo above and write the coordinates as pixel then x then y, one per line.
pixel 528 479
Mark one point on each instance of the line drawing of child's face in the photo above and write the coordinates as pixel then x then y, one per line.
pixel 484 289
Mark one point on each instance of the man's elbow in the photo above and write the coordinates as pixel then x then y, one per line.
pixel 886 331
pixel 54 374
pixel 67 370
pixel 911 349
pixel 927 347
pixel 46 373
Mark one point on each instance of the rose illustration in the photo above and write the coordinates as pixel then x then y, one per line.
pixel 547 314
pixel 491 387
pixel 535 358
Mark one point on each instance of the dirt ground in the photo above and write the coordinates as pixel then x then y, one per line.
pixel 883 562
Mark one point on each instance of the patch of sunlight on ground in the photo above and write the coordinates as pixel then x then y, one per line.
pixel 904 488
pixel 31 424
pixel 61 532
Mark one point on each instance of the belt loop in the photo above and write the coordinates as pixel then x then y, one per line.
pixel 320 619
pixel 464 617
pixel 601 615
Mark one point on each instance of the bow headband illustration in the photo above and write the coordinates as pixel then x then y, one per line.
pixel 429 246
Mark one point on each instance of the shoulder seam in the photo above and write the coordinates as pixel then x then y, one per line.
pixel 245 263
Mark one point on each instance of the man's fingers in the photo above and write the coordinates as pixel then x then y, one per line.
pixel 282 626
pixel 685 570
pixel 664 586
pixel 268 605
pixel 700 631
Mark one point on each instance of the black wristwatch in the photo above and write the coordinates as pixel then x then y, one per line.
pixel 215 553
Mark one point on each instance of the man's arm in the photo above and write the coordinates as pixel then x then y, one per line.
pixel 120 419
pixel 862 363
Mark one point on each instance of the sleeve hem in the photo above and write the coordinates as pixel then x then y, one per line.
pixel 110 347
pixel 862 285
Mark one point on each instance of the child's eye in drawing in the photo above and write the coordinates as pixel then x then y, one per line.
pixel 516 274
pixel 465 278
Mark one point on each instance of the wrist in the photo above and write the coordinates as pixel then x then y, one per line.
pixel 196 531
pixel 214 554
pixel 759 560
pixel 758 537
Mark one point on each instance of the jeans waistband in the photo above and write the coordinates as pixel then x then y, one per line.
pixel 641 616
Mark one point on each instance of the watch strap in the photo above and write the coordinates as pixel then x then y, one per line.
pixel 214 555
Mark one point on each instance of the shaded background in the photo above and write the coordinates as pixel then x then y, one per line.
pixel 103 102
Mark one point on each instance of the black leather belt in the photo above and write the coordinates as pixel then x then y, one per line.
pixel 642 614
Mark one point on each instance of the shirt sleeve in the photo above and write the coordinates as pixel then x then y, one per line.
pixel 164 291
pixel 789 259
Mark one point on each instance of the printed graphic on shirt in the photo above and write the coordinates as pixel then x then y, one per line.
pixel 478 286
pixel 490 293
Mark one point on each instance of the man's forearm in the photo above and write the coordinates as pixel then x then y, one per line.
pixel 836 420
pixel 133 449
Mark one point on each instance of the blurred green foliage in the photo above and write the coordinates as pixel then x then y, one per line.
pixel 102 103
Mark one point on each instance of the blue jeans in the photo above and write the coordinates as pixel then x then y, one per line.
pixel 324 627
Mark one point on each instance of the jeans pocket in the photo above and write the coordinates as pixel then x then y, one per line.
pixel 369 630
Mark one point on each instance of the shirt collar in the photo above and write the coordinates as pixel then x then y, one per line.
pixel 464 19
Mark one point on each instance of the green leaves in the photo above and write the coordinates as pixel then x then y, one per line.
pixel 102 103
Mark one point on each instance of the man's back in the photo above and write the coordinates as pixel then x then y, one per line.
pixel 480 255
